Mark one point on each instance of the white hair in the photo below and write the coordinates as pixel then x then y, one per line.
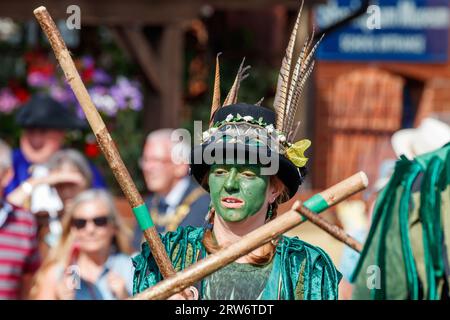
pixel 180 149
pixel 161 134
pixel 5 155
pixel 73 157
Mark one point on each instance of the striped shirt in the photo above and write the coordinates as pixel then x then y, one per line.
pixel 18 249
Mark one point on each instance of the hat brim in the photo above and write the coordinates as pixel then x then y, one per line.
pixel 46 113
pixel 402 142
pixel 287 172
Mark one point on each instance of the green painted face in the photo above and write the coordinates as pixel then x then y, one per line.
pixel 237 191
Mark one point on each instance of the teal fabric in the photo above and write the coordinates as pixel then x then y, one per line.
pixel 430 215
pixel 299 270
pixel 407 232
pixel 244 286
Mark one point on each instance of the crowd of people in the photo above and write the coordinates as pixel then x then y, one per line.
pixel 61 235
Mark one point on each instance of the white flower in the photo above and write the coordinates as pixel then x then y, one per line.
pixel 229 117
pixel 205 135
pixel 282 138
pixel 248 118
pixel 270 128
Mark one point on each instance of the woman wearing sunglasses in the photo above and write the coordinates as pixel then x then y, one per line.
pixel 91 261
pixel 47 193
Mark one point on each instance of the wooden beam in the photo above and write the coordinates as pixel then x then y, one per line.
pixel 172 56
pixel 106 12
pixel 143 12
pixel 257 4
pixel 163 68
pixel 143 53
pixel 120 42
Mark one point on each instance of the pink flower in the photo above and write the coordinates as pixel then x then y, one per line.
pixel 127 94
pixel 103 100
pixel 63 94
pixel 8 101
pixel 39 79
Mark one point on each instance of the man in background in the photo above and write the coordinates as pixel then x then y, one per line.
pixel 19 257
pixel 44 123
pixel 175 199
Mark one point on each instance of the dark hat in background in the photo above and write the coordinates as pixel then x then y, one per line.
pixel 42 111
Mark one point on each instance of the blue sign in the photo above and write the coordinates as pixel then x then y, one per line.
pixel 391 30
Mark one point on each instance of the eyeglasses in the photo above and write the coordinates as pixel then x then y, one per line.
pixel 156 161
pixel 98 221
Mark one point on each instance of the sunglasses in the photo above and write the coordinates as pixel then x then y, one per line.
pixel 98 221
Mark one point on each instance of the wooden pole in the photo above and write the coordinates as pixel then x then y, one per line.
pixel 332 229
pixel 255 239
pixel 105 141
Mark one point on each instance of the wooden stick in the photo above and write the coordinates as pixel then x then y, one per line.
pixel 105 141
pixel 254 239
pixel 332 229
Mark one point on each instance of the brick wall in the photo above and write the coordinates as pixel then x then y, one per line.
pixel 435 97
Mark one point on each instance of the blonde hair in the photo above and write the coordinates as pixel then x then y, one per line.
pixel 5 155
pixel 60 254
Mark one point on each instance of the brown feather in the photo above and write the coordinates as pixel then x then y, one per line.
pixel 293 132
pixel 303 70
pixel 216 95
pixel 240 76
pixel 284 76
pixel 296 97
pixel 259 102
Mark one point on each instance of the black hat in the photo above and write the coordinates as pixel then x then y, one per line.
pixel 246 132
pixel 42 111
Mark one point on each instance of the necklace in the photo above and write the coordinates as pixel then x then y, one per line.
pixel 171 220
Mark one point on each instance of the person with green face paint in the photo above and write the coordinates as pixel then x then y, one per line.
pixel 236 191
pixel 249 164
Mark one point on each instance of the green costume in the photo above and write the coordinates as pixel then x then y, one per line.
pixel 298 270
pixel 245 146
pixel 409 239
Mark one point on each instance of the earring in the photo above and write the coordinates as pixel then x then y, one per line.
pixel 209 214
pixel 269 212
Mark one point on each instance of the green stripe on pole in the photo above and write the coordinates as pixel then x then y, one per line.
pixel 316 203
pixel 143 217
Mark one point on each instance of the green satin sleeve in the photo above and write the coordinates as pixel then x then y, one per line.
pixel 182 247
pixel 318 277
pixel 302 271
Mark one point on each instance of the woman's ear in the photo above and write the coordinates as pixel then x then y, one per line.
pixel 274 192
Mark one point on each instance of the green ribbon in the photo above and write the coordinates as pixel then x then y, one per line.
pixel 316 204
pixel 143 217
